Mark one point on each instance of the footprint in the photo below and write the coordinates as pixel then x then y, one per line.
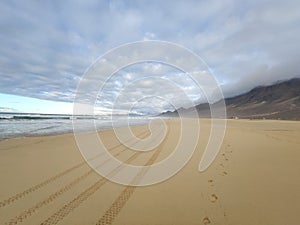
pixel 213 198
pixel 225 173
pixel 221 164
pixel 211 183
pixel 225 156
pixel 206 221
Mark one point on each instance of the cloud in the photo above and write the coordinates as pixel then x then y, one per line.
pixel 7 109
pixel 47 46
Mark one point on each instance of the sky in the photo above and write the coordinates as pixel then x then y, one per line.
pixel 46 47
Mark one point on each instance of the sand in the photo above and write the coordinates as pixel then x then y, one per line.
pixel 254 180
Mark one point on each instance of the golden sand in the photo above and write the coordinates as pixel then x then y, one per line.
pixel 254 180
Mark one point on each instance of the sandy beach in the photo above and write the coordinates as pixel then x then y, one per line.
pixel 254 180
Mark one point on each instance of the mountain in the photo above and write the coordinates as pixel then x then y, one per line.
pixel 278 101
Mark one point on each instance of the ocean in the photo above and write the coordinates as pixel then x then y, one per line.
pixel 27 124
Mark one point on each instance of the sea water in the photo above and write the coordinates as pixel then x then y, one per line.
pixel 23 125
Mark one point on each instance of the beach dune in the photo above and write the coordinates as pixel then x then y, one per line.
pixel 254 180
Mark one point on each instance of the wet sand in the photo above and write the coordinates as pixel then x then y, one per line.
pixel 254 180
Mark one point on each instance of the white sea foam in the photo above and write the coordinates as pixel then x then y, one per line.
pixel 19 125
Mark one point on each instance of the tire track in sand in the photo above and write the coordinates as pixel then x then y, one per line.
pixel 30 190
pixel 22 194
pixel 125 195
pixel 27 213
pixel 69 207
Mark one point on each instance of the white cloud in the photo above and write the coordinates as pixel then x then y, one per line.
pixel 47 46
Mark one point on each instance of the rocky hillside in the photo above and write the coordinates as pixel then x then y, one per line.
pixel 278 101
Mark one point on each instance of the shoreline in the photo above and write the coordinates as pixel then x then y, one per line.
pixel 164 118
pixel 105 127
